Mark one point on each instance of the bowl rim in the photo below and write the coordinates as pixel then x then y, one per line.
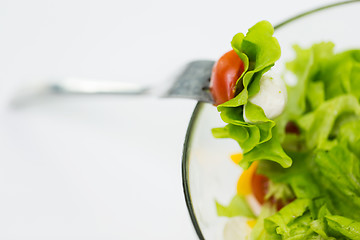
pixel 197 109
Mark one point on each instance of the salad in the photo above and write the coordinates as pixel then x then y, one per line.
pixel 300 143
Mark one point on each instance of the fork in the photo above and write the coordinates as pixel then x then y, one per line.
pixel 192 82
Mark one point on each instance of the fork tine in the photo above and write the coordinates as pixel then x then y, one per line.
pixel 193 82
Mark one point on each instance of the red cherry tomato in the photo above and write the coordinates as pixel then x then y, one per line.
pixel 225 73
pixel 291 127
pixel 260 185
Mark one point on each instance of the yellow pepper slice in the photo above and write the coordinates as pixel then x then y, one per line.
pixel 244 183
pixel 251 223
pixel 236 158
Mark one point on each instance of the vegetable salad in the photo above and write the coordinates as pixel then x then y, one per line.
pixel 302 166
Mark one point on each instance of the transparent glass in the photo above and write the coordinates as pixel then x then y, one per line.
pixel 208 173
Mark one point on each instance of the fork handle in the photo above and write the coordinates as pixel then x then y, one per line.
pixel 87 86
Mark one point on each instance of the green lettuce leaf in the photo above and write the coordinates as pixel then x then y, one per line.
pixel 338 174
pixel 341 74
pixel 291 221
pixel 349 132
pixel 319 225
pixel 298 177
pixel 237 207
pixel 247 137
pixel 296 221
pixel 318 125
pixel 345 226
pixel 280 192
pixel 307 64
pixel 329 180
pixel 259 51
pixel 270 150
pixel 321 75
pixel 320 166
pixel 331 174
pixel 259 232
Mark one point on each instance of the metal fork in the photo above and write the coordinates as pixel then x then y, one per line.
pixel 192 82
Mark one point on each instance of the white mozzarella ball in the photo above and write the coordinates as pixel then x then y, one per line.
pixel 272 96
pixel 237 229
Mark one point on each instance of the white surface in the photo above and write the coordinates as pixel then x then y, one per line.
pixel 105 167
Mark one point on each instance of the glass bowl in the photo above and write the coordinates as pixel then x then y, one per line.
pixel 207 171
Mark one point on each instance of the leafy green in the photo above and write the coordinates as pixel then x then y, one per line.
pixel 341 74
pixel 297 177
pixel 326 180
pixel 306 66
pixel 326 155
pixel 349 132
pixel 259 51
pixel 280 192
pixel 319 123
pixel 270 150
pixel 322 75
pixel 345 226
pixel 291 221
pixel 338 173
pixel 296 221
pixel 259 232
pixel 319 225
pixel 237 207
pixel 319 166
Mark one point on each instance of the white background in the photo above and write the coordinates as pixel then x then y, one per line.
pixel 105 167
